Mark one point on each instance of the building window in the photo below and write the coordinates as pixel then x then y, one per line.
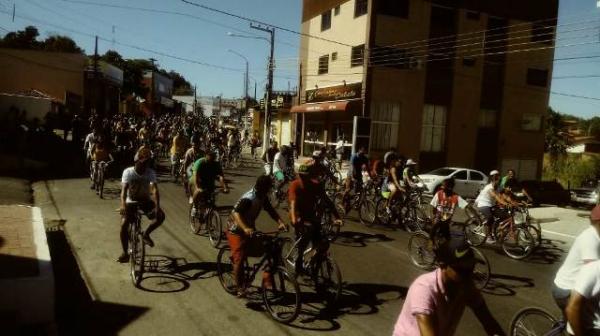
pixel 336 10
pixel 397 8
pixel 361 7
pixel 531 122
pixel 433 132
pixel 542 33
pixel 537 77
pixel 487 118
pixel 323 64
pixel 468 61
pixel 385 124
pixel 326 20
pixel 334 56
pixel 357 56
pixel 472 15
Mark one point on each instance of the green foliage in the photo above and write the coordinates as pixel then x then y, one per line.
pixel 571 169
pixel 27 39
pixel 556 139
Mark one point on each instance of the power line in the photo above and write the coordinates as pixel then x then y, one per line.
pixel 576 76
pixel 573 95
pixel 160 53
pixel 244 18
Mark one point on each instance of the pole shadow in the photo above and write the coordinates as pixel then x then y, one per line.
pixel 506 285
pixel 165 274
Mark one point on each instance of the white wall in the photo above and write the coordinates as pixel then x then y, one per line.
pixel 344 28
pixel 35 107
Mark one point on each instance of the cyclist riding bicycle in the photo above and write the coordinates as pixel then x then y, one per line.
pixel 177 152
pixel 485 202
pixel 100 152
pixel 585 249
pixel 409 174
pixel 242 224
pixel 444 204
pixel 204 173
pixel 139 185
pixel 583 310
pixel 303 196
pixel 436 301
pixel 393 182
pixel 280 167
pixel 358 163
pixel 191 155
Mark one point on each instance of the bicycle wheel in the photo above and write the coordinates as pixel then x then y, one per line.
pixel 535 233
pixel 328 279
pixel 338 201
pixel 518 243
pixel 381 214
pixel 289 254
pixel 367 212
pixel 414 219
pixel 535 321
pixel 420 250
pixel 214 228
pixel 475 232
pixel 195 222
pixel 329 229
pixel 225 270
pixel 281 295
pixel 482 271
pixel 137 254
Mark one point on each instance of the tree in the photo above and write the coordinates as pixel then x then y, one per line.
pixel 557 140
pixel 22 39
pixel 61 44
pixel 180 85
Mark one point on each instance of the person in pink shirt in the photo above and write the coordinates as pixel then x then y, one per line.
pixel 436 301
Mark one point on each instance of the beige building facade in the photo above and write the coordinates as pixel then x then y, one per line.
pixel 448 83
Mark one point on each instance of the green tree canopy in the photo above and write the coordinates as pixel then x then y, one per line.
pixel 28 39
pixel 556 138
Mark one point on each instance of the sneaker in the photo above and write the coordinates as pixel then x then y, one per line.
pixel 194 212
pixel 191 200
pixel 491 240
pixel 148 241
pixel 388 210
pixel 123 258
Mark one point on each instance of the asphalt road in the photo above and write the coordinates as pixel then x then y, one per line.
pixel 183 296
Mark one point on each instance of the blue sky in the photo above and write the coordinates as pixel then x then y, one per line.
pixel 204 39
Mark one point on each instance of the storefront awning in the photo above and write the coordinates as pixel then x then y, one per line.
pixel 342 105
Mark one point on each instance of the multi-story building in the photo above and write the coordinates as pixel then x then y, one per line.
pixel 448 83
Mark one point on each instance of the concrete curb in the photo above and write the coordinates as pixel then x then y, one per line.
pixel 43 198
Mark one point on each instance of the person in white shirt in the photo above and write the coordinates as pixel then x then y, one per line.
pixel 280 166
pixel 583 310
pixel 486 200
pixel 585 249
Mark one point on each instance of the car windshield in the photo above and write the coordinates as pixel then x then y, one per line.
pixel 442 172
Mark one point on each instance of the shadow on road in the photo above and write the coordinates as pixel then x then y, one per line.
pixel 506 285
pixel 356 299
pixel 360 239
pixel 548 253
pixel 169 275
pixel 76 312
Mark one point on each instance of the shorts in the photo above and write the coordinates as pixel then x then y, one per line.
pixel 279 176
pixel 392 187
pixel 175 158
pixel 147 207
pixel 243 247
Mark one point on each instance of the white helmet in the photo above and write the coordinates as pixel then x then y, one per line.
pixel 494 172
pixel 410 162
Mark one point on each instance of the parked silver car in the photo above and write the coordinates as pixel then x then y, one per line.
pixel 468 181
pixel 586 195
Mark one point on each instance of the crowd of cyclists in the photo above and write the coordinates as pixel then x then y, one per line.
pixel 198 148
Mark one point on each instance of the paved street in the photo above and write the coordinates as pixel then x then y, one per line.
pixel 183 296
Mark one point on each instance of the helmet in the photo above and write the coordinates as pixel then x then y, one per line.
pixel 494 172
pixel 411 162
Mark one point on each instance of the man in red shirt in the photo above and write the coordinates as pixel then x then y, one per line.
pixel 308 200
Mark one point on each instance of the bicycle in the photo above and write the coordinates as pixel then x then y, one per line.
pixel 406 212
pixel 205 215
pixel 235 158
pixel 515 239
pixel 522 217
pixel 279 288
pixel 137 248
pixel 535 321
pixel 318 265
pixel 356 200
pixel 100 174
pixel 422 255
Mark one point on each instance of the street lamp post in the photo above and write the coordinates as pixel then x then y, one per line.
pixel 246 76
pixel 271 31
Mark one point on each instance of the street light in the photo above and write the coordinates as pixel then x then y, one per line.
pixel 271 31
pixel 245 86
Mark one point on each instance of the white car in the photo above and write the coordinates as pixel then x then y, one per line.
pixel 468 181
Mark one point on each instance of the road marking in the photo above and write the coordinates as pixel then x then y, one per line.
pixel 559 234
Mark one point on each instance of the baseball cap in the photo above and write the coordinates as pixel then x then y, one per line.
pixel 595 215
pixel 410 162
pixel 494 172
pixel 455 251
pixel 316 153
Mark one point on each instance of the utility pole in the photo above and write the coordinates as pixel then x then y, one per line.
pixel 267 130
pixel 152 60
pixel 95 94
pixel 195 102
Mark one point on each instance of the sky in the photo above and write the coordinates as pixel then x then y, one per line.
pixel 201 38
